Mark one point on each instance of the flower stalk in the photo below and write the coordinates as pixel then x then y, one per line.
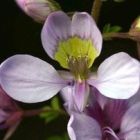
pixel 95 11
pixel 122 35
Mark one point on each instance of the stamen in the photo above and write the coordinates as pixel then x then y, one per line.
pixel 79 67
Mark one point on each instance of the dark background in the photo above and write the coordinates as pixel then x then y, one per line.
pixel 19 34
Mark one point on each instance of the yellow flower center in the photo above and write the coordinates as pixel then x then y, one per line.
pixel 77 55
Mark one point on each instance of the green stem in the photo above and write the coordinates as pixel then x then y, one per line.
pixel 122 35
pixel 108 36
pixel 35 112
pixel 95 11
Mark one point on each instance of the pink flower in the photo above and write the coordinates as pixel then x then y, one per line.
pixel 74 44
pixel 38 9
pixel 107 120
pixel 10 114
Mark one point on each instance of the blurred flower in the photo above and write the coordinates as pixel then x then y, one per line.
pixel 116 120
pixel 75 45
pixel 136 24
pixel 38 9
pixel 10 114
pixel 134 31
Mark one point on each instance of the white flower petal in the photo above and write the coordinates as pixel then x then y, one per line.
pixel 67 96
pixel 134 99
pixel 118 76
pixel 29 79
pixel 56 28
pixel 130 127
pixel 82 127
pixel 85 27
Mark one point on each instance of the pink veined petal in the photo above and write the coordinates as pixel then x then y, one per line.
pixel 3 115
pixel 114 111
pixel 75 96
pixel 96 96
pixel 80 95
pixel 38 10
pixel 111 133
pixel 56 28
pixel 70 129
pixel 67 96
pixel 29 79
pixel 82 127
pixel 85 27
pixel 95 111
pixel 66 92
pixel 6 101
pixel 134 99
pixel 118 76
pixel 130 126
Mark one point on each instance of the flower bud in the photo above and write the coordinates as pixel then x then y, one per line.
pixel 38 9
pixel 136 24
pixel 134 31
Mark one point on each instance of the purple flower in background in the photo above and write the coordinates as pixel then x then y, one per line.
pixel 38 9
pixel 74 44
pixel 10 114
pixel 108 120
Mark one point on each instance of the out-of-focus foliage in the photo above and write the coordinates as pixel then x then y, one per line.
pixel 53 111
pixel 62 137
pixel 109 29
pixel 55 103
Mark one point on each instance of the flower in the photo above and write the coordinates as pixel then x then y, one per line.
pixel 10 114
pixel 116 120
pixel 136 24
pixel 38 9
pixel 75 45
pixel 134 31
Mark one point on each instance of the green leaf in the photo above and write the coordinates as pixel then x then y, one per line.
pixel 51 112
pixel 55 103
pixel 109 29
pixel 49 116
pixel 106 28
pixel 115 29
